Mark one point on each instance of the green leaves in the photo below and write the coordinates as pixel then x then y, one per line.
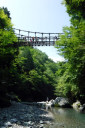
pixel 71 82
pixel 36 74
pixel 5 22
pixel 75 8
pixel 8 53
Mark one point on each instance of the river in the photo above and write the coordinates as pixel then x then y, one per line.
pixel 67 118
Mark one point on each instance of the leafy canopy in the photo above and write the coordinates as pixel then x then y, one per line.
pixel 72 47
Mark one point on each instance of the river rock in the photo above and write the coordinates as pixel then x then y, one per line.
pixel 62 102
pixel 20 115
pixel 41 126
pixel 8 124
pixel 14 120
pixel 76 105
pixel 82 108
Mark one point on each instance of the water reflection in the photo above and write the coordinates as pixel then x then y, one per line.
pixel 67 118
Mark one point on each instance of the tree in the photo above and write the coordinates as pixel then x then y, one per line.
pixel 7 51
pixel 25 59
pixel 6 12
pixel 35 75
pixel 72 47
pixel 7 39
pixel 75 8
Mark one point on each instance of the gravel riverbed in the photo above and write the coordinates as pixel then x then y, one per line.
pixel 20 115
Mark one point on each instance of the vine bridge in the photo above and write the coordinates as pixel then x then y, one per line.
pixel 36 38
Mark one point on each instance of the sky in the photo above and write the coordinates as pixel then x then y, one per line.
pixel 41 16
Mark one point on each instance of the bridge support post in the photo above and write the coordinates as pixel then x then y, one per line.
pixel 42 39
pixel 28 36
pixel 19 38
pixel 49 39
pixel 19 32
pixel 35 39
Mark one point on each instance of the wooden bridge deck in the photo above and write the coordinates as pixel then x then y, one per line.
pixel 40 43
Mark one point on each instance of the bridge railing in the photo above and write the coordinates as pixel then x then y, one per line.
pixel 36 38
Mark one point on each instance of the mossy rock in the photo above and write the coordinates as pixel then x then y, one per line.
pixel 56 105
pixel 78 105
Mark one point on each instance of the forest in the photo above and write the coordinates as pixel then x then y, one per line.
pixel 27 74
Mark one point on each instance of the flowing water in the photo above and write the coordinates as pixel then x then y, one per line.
pixel 67 118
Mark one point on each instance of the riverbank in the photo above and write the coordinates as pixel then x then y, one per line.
pixel 20 115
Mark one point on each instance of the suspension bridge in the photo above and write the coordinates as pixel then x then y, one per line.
pixel 36 38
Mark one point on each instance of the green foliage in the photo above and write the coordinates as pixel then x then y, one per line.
pixel 5 22
pixel 7 37
pixel 25 59
pixel 36 75
pixel 7 50
pixel 6 12
pixel 71 82
pixel 65 86
pixel 76 8
pixel 7 53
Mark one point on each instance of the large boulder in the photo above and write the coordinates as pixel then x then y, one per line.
pixel 78 106
pixel 62 102
pixel 82 108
